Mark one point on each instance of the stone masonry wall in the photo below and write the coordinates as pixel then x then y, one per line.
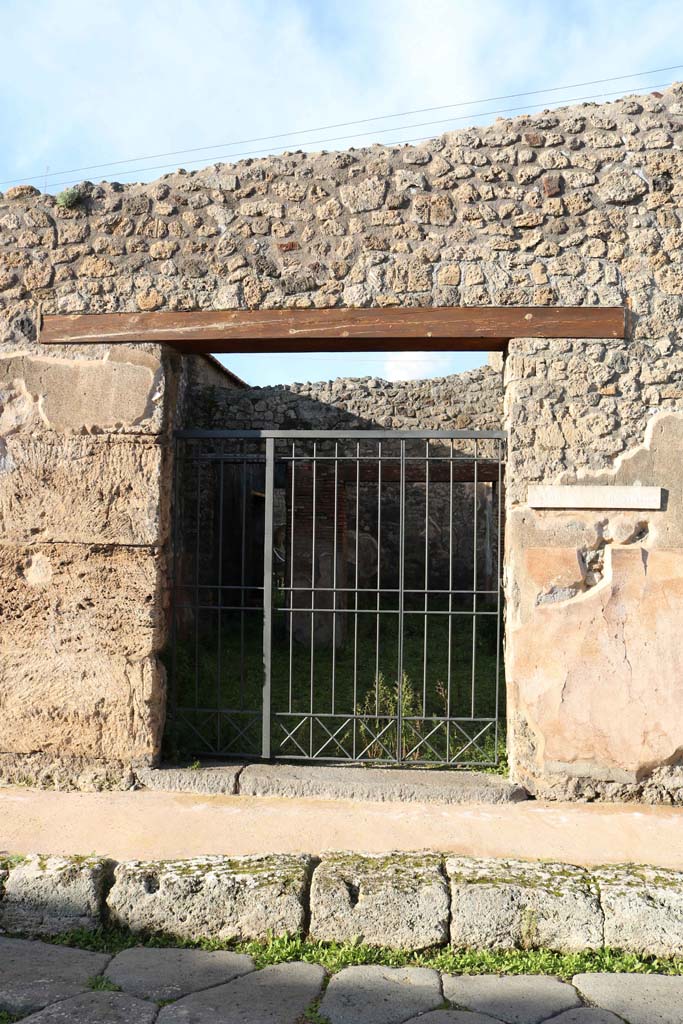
pixel 577 206
pixel 83 526
pixel 84 529
pixel 464 401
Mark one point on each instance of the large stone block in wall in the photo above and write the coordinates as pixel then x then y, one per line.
pixel 643 908
pixel 64 600
pixel 81 629
pixel 503 904
pixel 89 704
pixel 49 895
pixel 122 390
pixel 81 489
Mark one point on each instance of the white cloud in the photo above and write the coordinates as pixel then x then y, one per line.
pixel 416 365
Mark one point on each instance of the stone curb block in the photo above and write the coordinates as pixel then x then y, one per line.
pixel 243 898
pixel 48 895
pixel 400 900
pixel 506 904
pixel 643 909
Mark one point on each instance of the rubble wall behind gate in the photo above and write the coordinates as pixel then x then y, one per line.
pixel 577 206
pixel 472 400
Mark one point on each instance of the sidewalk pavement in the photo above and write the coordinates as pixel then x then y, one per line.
pixel 47 984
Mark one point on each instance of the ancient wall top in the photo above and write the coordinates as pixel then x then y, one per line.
pixel 573 206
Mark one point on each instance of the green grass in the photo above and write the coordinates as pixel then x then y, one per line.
pixel 335 956
pixel 208 675
pixel 8 1018
pixel 313 1015
pixel 98 983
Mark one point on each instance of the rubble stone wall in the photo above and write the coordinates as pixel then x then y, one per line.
pixel 575 206
pixel 465 401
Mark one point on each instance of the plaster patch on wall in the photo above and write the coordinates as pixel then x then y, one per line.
pixel 600 686
pixel 76 395
pixel 37 571
pixel 19 409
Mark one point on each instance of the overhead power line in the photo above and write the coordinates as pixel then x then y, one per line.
pixel 343 124
pixel 373 132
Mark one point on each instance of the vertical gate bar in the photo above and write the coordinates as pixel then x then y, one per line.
pixel 268 597
pixel 243 569
pixel 426 584
pixel 379 570
pixel 335 526
pixel 313 554
pixel 474 578
pixel 219 665
pixel 291 578
pixel 196 599
pixel 450 604
pixel 499 582
pixel 401 599
pixel 355 617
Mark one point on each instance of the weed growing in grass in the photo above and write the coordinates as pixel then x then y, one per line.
pixel 313 1015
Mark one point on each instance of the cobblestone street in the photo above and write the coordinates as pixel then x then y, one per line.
pixel 48 984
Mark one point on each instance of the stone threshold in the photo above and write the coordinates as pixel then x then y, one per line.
pixel 410 901
pixel 334 782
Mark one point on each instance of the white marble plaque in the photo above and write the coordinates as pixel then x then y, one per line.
pixel 597 496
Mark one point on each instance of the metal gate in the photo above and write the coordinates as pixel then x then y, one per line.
pixel 336 596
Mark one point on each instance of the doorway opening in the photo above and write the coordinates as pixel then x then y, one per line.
pixel 337 596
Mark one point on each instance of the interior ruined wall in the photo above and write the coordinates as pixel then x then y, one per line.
pixel 472 400
pixel 577 206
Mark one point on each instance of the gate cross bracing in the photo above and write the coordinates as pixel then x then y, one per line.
pixel 337 595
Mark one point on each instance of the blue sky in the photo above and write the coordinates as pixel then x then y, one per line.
pixel 85 82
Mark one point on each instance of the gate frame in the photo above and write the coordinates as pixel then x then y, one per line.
pixel 270 437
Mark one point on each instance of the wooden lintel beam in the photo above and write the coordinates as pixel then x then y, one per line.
pixel 334 330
